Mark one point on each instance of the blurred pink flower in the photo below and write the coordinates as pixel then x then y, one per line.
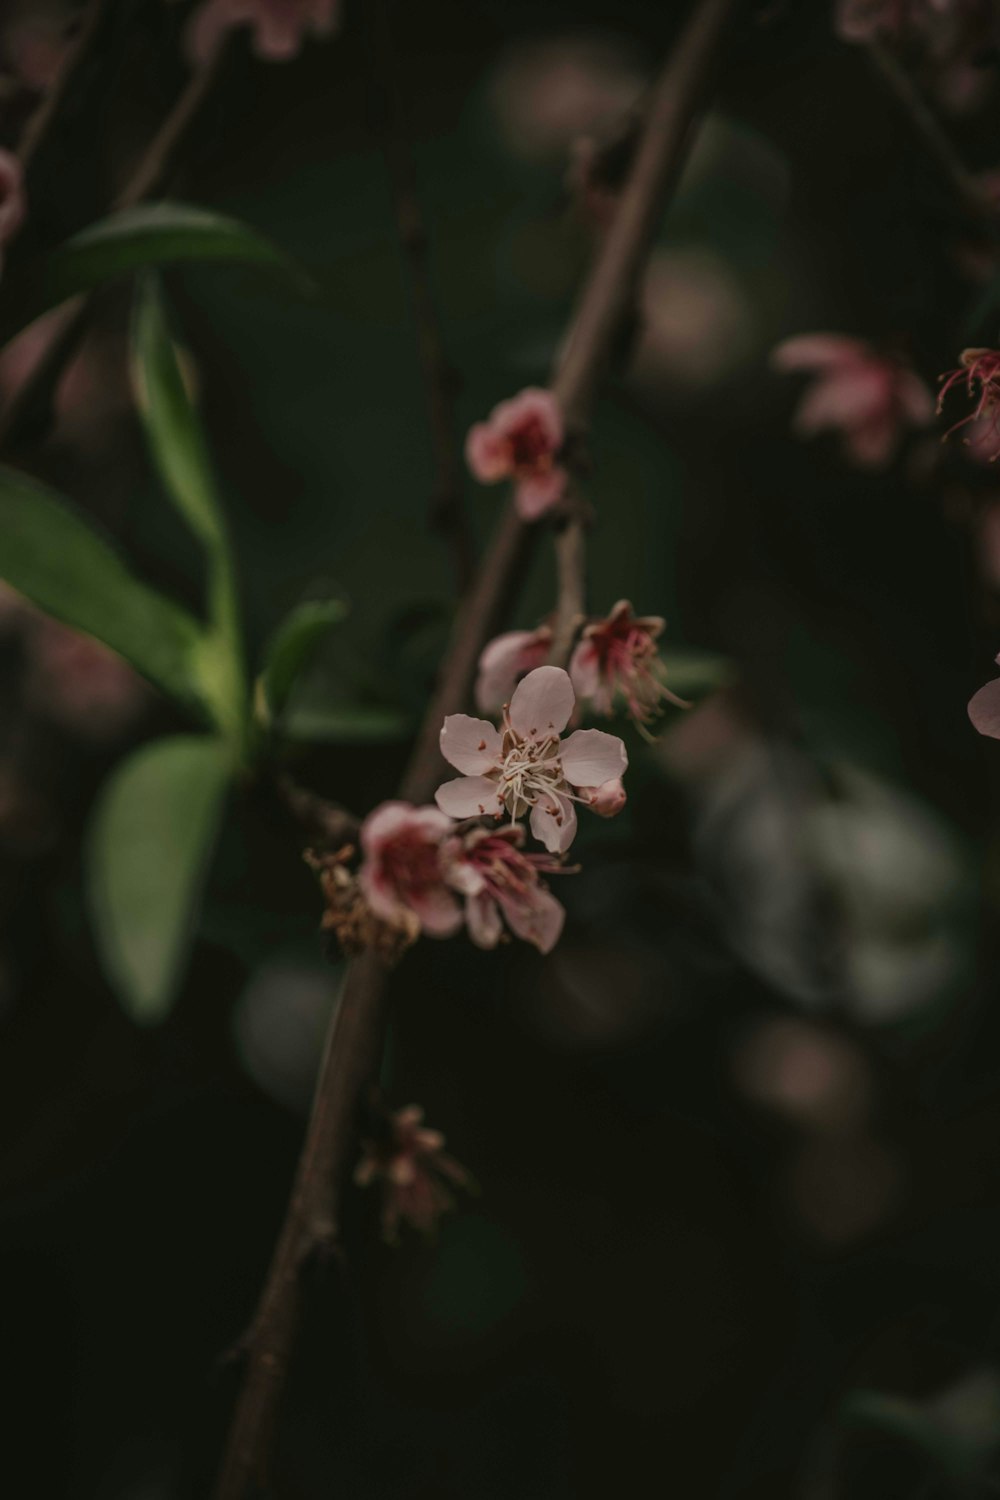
pixel 526 766
pixel 620 655
pixel 547 92
pixel 868 397
pixel 520 440
pixel 13 205
pixel 952 40
pixel 505 661
pixel 411 1164
pixel 499 882
pixel 401 875
pixel 979 367
pixel 78 683
pixel 984 708
pixel 279 26
pixel 92 393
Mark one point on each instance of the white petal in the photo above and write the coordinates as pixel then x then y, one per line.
pixel 553 822
pixel 470 745
pixel 468 797
pixel 542 703
pixel 590 757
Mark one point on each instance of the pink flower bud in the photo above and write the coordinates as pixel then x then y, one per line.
pixel 606 801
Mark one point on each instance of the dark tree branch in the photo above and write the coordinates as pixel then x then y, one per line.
pixel 312 1220
pixel 75 60
pixel 446 512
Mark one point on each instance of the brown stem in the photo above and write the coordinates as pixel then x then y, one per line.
pixel 935 140
pixel 446 512
pixel 75 59
pixel 29 410
pixel 311 1221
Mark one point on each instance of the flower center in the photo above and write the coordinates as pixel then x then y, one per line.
pixel 410 862
pixel 529 769
pixel 530 448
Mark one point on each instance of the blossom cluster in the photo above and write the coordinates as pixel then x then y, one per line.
pixel 464 862
pixel 616 658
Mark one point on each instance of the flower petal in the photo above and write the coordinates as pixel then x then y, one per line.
pixel 538 920
pixel 553 822
pixel 984 709
pixel 486 453
pixel 470 745
pixel 482 918
pixel 506 659
pixel 590 757
pixel 538 493
pixel 584 669
pixel 468 797
pixel 818 351
pixel 542 704
pixel 438 911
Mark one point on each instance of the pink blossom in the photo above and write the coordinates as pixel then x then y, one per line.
pixel 401 875
pixel 13 204
pixel 505 661
pixel 984 708
pixel 979 367
pixel 520 440
pixel 279 26
pixel 620 655
pixel 499 882
pixel 410 1162
pixel 868 397
pixel 525 766
pixel 948 40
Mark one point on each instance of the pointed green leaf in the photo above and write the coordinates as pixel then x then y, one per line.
pixel 150 845
pixel 54 556
pixel 152 234
pixel 291 649
pixel 180 452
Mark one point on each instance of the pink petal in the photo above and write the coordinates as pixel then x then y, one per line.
pixel 553 822
pixel 915 399
pixel 439 913
pixel 503 661
pixel 482 918
pixel 871 444
pixel 470 745
pixel 542 704
pixel 984 709
pixel 842 400
pixel 531 404
pixel 818 351
pixel 468 797
pixel 538 920
pixel 486 453
pixel 590 757
pixel 537 494
pixel 584 670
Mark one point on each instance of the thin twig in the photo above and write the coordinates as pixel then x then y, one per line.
pixel 30 408
pixel 927 127
pixel 75 58
pixel 446 511
pixel 312 1220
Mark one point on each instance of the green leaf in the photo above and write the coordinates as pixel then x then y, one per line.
pixel 153 234
pixel 342 724
pixel 291 649
pixel 150 844
pixel 180 452
pixel 958 1431
pixel 53 556
pixel 693 673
